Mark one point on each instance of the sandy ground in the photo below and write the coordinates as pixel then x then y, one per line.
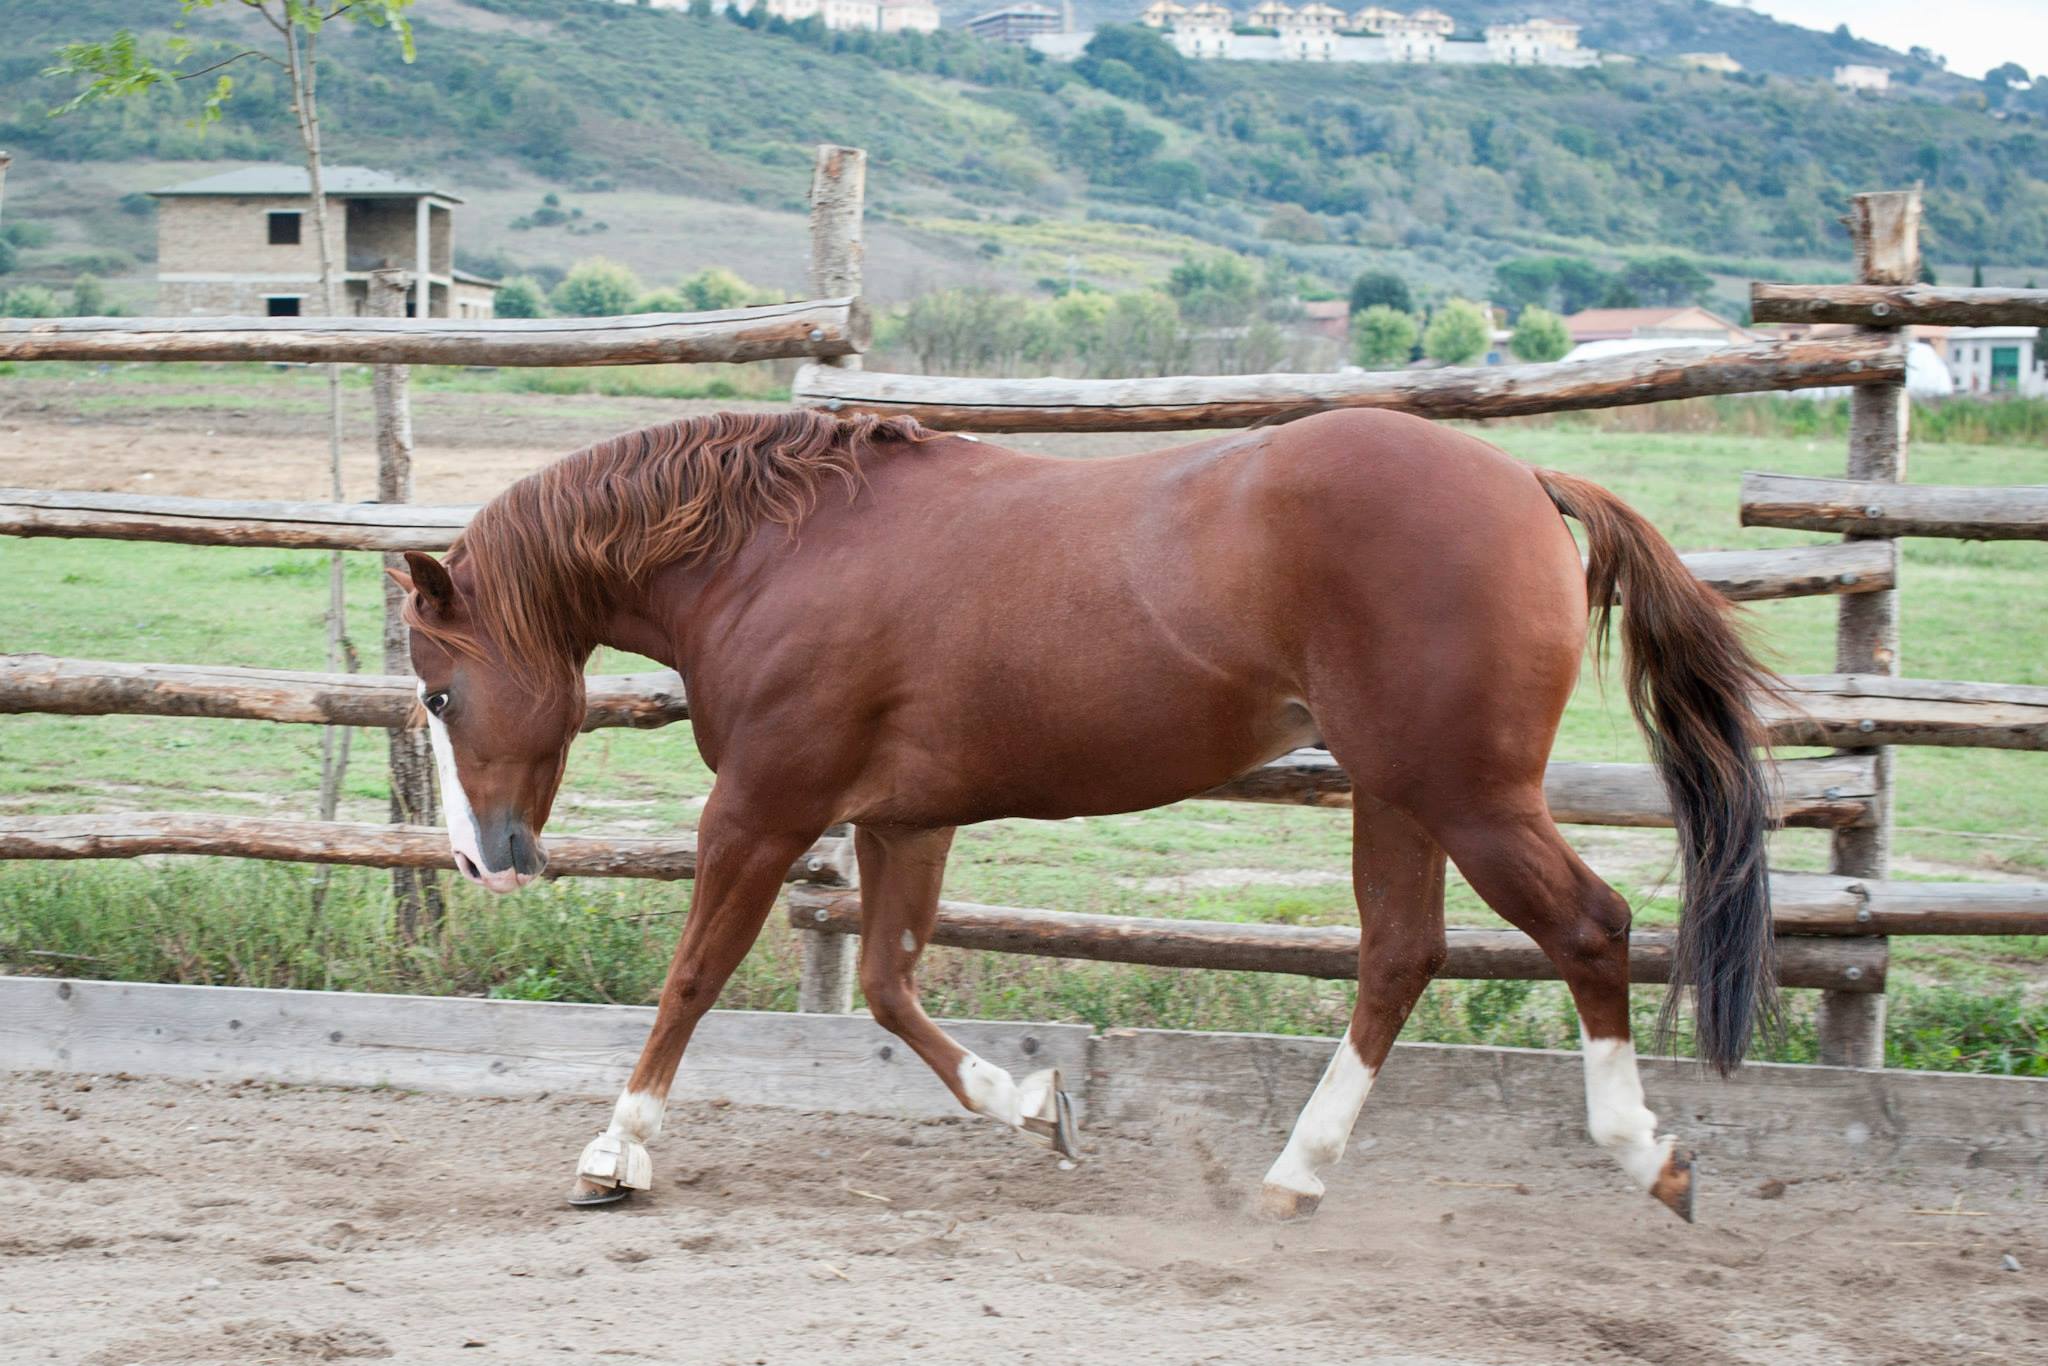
pixel 151 1221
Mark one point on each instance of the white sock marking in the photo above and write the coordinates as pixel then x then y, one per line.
pixel 1325 1124
pixel 638 1115
pixel 1616 1116
pixel 991 1091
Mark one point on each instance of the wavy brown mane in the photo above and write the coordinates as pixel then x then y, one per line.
pixel 549 557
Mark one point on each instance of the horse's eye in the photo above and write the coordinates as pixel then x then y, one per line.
pixel 437 702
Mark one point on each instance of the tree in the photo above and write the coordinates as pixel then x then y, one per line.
pixel 1380 288
pixel 1977 276
pixel 1458 334
pixel 713 288
pixel 1106 146
pixel 6 256
pixel 1216 291
pixel 596 287
pixel 1539 335
pixel 1293 223
pixel 2001 81
pixel 520 297
pixel 88 297
pixel 1670 280
pixel 118 68
pixel 1382 337
pixel 1131 61
pixel 29 301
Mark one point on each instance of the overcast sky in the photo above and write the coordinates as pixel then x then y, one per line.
pixel 1975 35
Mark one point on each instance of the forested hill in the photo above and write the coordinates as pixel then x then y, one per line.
pixel 592 96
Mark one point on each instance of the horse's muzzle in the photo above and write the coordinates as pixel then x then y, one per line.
pixel 512 857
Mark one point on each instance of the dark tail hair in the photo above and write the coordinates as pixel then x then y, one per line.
pixel 1691 683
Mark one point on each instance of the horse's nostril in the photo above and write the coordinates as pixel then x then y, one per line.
pixel 467 867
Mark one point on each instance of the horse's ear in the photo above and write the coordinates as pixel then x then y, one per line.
pixel 429 578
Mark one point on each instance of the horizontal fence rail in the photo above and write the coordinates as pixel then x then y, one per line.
pixel 803 328
pixel 1203 401
pixel 1328 951
pixel 1899 305
pixel 1742 575
pixel 135 834
pixel 1854 710
pixel 1962 512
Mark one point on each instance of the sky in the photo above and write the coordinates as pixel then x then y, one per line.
pixel 1975 35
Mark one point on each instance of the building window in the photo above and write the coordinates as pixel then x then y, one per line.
pixel 281 305
pixel 284 229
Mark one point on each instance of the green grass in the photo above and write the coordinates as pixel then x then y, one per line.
pixel 1957 1003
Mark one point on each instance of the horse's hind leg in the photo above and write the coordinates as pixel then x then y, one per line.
pixel 1398 873
pixel 1514 857
pixel 900 873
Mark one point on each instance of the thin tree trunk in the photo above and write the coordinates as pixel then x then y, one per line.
pixel 341 653
pixel 416 892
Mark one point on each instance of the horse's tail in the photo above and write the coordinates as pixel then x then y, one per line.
pixel 1691 683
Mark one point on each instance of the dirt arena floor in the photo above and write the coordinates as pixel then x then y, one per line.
pixel 154 1221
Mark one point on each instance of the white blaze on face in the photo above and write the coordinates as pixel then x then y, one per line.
pixel 1616 1116
pixel 1325 1125
pixel 463 835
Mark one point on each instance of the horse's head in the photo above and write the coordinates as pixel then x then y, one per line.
pixel 501 733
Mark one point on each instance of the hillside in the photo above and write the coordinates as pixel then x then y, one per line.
pixel 689 140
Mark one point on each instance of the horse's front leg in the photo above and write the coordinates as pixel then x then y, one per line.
pixel 900 874
pixel 741 863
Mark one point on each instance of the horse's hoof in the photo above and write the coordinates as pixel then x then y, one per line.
pixel 1286 1203
pixel 1049 1114
pixel 1673 1187
pixel 587 1194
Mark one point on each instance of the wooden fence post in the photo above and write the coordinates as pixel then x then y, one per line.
pixel 1885 229
pixel 826 973
pixel 838 187
pixel 415 892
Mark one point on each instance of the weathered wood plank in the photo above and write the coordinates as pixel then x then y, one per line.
pixel 1820 903
pixel 1828 792
pixel 96 687
pixel 495 1048
pixel 1768 1116
pixel 224 521
pixel 1799 571
pixel 1875 709
pixel 1899 305
pixel 803 327
pixel 1207 401
pixel 1330 951
pixel 1873 508
pixel 132 834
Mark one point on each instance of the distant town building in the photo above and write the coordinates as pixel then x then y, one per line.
pixel 873 16
pixel 1709 61
pixel 1016 23
pixel 1275 31
pixel 1872 78
pixel 909 16
pixel 1687 323
pixel 242 243
pixel 1997 360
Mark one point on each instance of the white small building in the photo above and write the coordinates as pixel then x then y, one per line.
pixel 1269 14
pixel 1531 42
pixel 909 16
pixel 1161 14
pixel 1872 78
pixel 1999 361
pixel 1375 18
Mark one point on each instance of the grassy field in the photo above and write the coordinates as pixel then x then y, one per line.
pixel 1970 613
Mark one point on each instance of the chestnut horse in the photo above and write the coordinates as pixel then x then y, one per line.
pixel 912 631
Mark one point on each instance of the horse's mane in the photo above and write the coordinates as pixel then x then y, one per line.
pixel 549 557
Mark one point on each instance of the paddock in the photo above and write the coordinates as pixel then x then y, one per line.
pixel 214 1211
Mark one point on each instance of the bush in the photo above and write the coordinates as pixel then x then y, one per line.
pixel 1382 338
pixel 1381 287
pixel 30 301
pixel 1458 334
pixel 714 288
pixel 521 297
pixel 88 297
pixel 6 256
pixel 1540 335
pixel 596 287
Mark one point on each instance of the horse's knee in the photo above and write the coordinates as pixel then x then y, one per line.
pixel 889 997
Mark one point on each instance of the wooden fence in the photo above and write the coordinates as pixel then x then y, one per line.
pixel 1833 928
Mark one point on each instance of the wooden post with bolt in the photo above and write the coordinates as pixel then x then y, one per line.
pixel 838 186
pixel 1885 229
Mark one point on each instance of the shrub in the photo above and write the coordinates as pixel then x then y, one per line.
pixel 1540 335
pixel 521 297
pixel 1382 338
pixel 595 287
pixel 1458 334
pixel 88 297
pixel 30 301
